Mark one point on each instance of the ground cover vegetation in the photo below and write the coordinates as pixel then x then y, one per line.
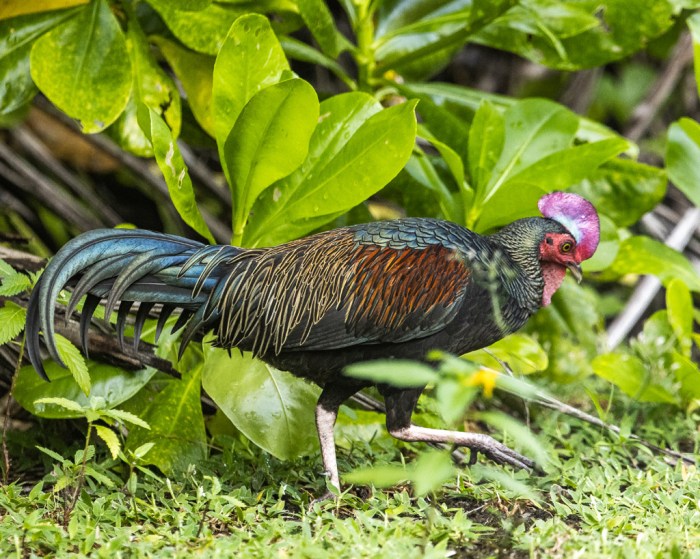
pixel 255 123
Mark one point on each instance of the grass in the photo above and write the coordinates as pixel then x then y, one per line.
pixel 599 498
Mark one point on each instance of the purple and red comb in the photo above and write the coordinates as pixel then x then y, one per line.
pixel 576 214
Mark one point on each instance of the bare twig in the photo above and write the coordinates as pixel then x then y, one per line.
pixel 21 260
pixel 37 149
pixel 672 72
pixel 50 192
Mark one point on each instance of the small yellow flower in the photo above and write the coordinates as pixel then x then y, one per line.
pixel 485 378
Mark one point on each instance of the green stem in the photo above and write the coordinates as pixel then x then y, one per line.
pixel 365 39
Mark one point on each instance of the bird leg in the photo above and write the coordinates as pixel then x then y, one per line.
pixel 399 408
pixel 332 396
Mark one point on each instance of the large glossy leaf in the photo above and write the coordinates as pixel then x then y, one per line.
pixel 202 30
pixel 250 59
pixel 464 102
pixel 631 376
pixel 184 5
pixel 416 38
pixel 272 408
pixel 112 384
pixel 623 189
pixel 643 255
pixel 174 170
pixel 537 156
pixel 15 8
pixel 177 424
pixel 269 140
pixel 694 25
pixel 151 87
pixel 683 157
pixel 319 20
pixel 16 39
pixel 195 72
pixel 83 67
pixel 356 149
pixel 576 34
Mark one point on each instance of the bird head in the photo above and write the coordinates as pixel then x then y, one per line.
pixel 566 249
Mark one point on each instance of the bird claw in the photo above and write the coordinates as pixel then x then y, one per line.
pixel 327 496
pixel 501 454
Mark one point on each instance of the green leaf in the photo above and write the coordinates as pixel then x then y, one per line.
pixel 14 284
pixel 196 73
pixel 521 352
pixel 629 374
pixel 575 34
pixel 486 140
pixel 6 270
pixel 319 20
pixel 12 319
pixel 269 140
pixel 643 255
pixel 683 157
pixel 463 102
pixel 151 87
pixel 298 50
pixel 176 421
pixel 688 375
pixel 17 35
pixel 174 170
pixel 679 304
pixel 184 5
pixel 693 22
pixel 126 417
pixel 71 356
pixel 355 150
pixel 202 30
pixel 110 438
pixel 272 408
pixel 112 384
pixel 379 476
pixel 623 189
pixel 83 67
pixel 64 403
pixel 251 53
pixel 397 372
pixel 416 39
pixel 430 471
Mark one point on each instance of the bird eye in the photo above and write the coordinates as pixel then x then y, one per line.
pixel 566 246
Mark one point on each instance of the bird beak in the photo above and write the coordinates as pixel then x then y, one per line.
pixel 575 270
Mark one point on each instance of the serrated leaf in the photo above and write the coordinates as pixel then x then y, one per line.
pixel 174 170
pixel 274 409
pixel 13 284
pixel 98 476
pixel 12 319
pixel 75 362
pixel 110 438
pixel 64 403
pixel 269 140
pixel 6 270
pixel 126 417
pixel 83 67
pixel 53 454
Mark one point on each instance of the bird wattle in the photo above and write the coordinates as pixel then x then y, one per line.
pixel 553 274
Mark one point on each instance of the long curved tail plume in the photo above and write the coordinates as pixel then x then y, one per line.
pixel 126 265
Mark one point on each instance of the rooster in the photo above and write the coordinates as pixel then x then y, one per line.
pixel 382 290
